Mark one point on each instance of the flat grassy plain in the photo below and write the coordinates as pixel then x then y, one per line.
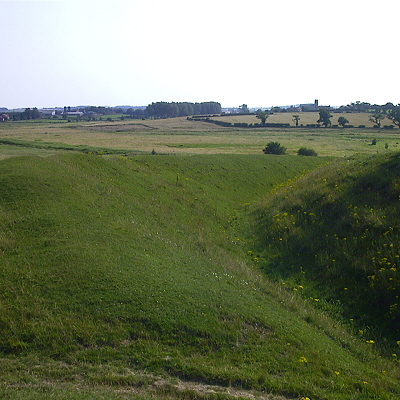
pixel 128 275
pixel 180 136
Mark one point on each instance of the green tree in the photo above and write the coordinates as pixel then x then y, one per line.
pixel 324 117
pixel 274 148
pixel 163 109
pixel 263 116
pixel 304 151
pixel 30 113
pixel 387 107
pixel 342 121
pixel 394 115
pixel 377 119
pixel 296 119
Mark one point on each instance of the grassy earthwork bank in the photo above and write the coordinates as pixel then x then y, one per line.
pixel 335 233
pixel 139 276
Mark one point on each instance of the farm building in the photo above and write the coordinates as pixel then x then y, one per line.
pixel 310 106
pixel 313 106
pixel 48 112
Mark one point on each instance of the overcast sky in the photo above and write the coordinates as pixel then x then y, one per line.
pixel 262 53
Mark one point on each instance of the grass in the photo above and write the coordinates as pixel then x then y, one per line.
pixel 11 150
pixel 135 264
pixel 38 147
pixel 130 276
pixel 180 136
pixel 335 233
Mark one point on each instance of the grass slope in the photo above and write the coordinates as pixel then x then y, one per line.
pixel 336 232
pixel 115 272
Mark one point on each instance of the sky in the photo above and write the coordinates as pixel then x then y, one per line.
pixel 257 52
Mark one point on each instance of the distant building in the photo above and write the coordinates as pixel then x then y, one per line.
pixel 310 106
pixel 47 112
pixel 230 110
pixel 313 107
pixel 4 117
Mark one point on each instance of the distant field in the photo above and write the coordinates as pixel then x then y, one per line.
pixel 181 136
pixel 306 118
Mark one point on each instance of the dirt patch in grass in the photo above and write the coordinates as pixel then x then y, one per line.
pixel 116 127
pixel 179 389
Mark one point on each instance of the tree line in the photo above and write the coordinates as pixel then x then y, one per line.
pixel 181 109
pixel 362 106
pixel 28 113
pixel 393 114
pixel 159 109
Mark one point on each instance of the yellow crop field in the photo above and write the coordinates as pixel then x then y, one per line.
pixel 306 118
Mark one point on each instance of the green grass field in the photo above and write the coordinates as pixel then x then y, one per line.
pixel 180 136
pixel 131 275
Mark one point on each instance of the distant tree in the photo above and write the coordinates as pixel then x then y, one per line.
pixel 276 109
pixel 30 113
pixel 186 109
pixel 274 148
pixel 394 115
pixel 168 110
pixel 304 151
pixel 387 107
pixel 359 106
pixel 377 119
pixel 324 117
pixel 263 116
pixel 244 109
pixel 296 119
pixel 342 121
pixel 135 113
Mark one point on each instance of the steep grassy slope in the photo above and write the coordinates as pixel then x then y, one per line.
pixel 114 270
pixel 337 233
